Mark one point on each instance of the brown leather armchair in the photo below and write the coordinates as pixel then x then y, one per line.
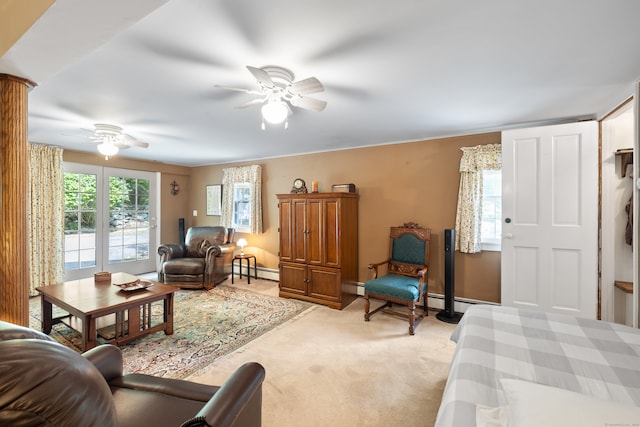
pixel 45 383
pixel 204 260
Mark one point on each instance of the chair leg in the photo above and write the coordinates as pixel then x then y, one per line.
pixel 412 318
pixel 367 306
pixel 426 304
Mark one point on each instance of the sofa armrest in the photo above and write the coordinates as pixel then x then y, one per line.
pixel 169 251
pixel 227 248
pixel 108 359
pixel 237 403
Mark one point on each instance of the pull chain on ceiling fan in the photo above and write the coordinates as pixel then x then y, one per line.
pixel 279 92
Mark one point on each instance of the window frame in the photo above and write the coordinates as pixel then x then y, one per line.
pixel 493 243
pixel 241 227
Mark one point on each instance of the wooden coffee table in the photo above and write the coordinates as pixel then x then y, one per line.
pixel 92 305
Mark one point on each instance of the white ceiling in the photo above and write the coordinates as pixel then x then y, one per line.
pixel 393 71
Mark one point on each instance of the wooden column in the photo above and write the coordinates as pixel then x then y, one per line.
pixel 14 279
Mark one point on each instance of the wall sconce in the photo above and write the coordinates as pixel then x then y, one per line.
pixel 175 188
pixel 242 243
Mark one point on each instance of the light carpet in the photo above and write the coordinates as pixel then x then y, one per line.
pixel 207 325
pixel 331 368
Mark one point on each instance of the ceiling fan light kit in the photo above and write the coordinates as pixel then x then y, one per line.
pixel 275 112
pixel 278 91
pixel 111 138
pixel 107 149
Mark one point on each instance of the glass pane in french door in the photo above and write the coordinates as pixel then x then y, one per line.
pixel 128 219
pixel 80 192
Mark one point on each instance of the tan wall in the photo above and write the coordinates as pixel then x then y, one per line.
pixel 397 183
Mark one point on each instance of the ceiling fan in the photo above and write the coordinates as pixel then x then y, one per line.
pixel 278 92
pixel 111 138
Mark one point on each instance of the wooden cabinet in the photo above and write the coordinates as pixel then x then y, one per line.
pixel 319 247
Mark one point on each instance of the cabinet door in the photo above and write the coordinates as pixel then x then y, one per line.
pixel 331 233
pixel 286 230
pixel 298 230
pixel 293 278
pixel 314 231
pixel 325 283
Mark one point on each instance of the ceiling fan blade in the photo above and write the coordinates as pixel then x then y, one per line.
pixel 262 77
pixel 252 103
pixel 239 89
pixel 306 86
pixel 308 103
pixel 131 142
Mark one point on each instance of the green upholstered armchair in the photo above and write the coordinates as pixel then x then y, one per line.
pixel 406 279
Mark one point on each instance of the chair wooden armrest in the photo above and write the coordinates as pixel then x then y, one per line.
pixel 374 266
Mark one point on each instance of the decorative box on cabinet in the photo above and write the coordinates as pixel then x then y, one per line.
pixel 319 247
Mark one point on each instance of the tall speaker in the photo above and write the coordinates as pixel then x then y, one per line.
pixel 449 314
pixel 181 235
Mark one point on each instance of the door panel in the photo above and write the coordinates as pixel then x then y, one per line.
pixel 314 231
pixel 324 283
pixel 550 208
pixel 293 278
pixel 132 226
pixel 286 239
pixel 299 227
pixel 332 233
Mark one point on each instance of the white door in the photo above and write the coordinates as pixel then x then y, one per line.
pixel 110 220
pixel 131 221
pixel 550 218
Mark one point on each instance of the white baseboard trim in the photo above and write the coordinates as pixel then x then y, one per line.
pixel 268 274
pixel 436 301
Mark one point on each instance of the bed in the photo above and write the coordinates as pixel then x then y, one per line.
pixel 497 347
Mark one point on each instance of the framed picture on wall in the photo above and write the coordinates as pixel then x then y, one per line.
pixel 214 199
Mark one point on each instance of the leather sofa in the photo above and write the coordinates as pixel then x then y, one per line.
pixel 43 382
pixel 204 260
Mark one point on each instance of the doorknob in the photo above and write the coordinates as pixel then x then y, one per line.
pixel 508 236
pixel 507 220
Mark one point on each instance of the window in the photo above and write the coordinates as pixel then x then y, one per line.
pixel 242 199
pixel 491 227
pixel 471 217
pixel 241 216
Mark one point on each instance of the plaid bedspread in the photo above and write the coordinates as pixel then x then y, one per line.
pixel 588 356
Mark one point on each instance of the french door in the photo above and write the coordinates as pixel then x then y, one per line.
pixel 110 220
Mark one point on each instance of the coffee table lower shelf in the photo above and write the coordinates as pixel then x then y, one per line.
pixel 113 328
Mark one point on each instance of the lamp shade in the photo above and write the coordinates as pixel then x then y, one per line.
pixel 275 112
pixel 242 243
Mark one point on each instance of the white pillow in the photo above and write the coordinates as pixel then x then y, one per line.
pixel 535 405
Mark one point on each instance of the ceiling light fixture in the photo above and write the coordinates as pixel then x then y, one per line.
pixel 107 149
pixel 275 112
pixel 110 136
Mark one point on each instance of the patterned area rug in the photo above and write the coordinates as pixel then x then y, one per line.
pixel 207 325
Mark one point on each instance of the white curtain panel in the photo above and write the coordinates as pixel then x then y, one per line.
pixel 245 174
pixel 45 216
